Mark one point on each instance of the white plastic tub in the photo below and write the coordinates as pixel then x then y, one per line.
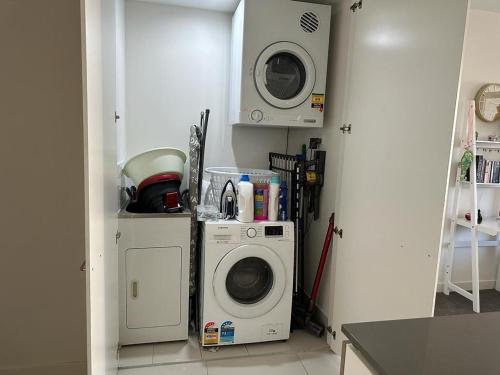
pixel 154 162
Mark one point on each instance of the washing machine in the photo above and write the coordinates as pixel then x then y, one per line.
pixel 246 282
pixel 279 60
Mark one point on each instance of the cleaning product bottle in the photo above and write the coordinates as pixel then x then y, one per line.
pixel 259 213
pixel 274 193
pixel 283 202
pixel 245 199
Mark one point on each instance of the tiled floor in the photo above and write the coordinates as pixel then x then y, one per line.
pixel 302 354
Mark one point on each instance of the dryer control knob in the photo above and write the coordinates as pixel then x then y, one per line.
pixel 257 115
pixel 251 232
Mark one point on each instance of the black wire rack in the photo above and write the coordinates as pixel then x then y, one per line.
pixel 291 169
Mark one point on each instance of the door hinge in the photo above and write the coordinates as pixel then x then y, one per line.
pixel 332 332
pixel 117 237
pixel 338 231
pixel 346 128
pixel 117 117
pixel 356 5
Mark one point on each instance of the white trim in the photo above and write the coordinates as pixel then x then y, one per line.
pixel 262 307
pixel 260 74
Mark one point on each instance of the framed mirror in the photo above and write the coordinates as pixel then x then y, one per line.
pixel 488 102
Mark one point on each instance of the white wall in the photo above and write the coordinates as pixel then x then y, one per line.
pixel 480 66
pixel 177 64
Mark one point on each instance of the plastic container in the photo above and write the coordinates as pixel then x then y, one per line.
pixel 274 193
pixel 154 162
pixel 283 202
pixel 259 205
pixel 244 191
pixel 265 201
pixel 220 175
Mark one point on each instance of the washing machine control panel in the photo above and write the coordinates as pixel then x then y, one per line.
pixel 272 231
pixel 236 232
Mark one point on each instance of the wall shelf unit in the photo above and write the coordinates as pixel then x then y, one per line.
pixel 489 225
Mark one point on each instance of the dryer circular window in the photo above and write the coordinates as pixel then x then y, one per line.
pixel 249 281
pixel 284 75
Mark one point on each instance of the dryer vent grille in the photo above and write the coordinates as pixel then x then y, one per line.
pixel 309 22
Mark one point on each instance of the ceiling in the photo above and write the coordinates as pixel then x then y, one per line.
pixel 490 5
pixel 230 5
pixel 221 5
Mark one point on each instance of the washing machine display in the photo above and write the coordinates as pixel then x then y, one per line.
pixel 273 231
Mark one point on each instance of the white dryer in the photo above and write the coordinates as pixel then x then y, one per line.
pixel 246 282
pixel 279 60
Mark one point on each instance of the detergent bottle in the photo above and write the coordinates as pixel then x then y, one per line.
pixel 245 200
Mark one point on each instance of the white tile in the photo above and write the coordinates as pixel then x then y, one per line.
pixel 278 364
pixel 228 351
pixel 195 368
pixel 320 362
pixel 299 341
pixel 177 351
pixel 136 355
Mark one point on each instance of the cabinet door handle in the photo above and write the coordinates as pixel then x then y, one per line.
pixel 83 267
pixel 135 289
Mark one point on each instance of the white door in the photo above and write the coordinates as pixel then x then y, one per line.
pixel 249 281
pixel 153 279
pixel 98 35
pixel 285 75
pixel 405 69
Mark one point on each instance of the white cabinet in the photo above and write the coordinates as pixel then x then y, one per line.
pixel 154 277
pixel 353 362
pixel 402 98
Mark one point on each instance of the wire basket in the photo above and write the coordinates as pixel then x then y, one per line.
pixel 220 175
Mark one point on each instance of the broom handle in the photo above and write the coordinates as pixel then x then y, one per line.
pixel 321 264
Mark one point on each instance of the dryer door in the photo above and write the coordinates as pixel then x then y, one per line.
pixel 249 281
pixel 284 75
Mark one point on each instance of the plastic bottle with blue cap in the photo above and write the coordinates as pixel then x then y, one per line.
pixel 244 191
pixel 274 194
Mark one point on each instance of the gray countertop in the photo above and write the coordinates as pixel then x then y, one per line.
pixel 448 345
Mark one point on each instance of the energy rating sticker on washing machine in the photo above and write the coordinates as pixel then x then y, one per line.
pixel 227 332
pixel 318 101
pixel 210 334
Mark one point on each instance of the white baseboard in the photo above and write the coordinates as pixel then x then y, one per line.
pixel 76 368
pixel 467 285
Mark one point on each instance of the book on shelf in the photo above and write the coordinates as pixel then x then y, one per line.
pixel 487 171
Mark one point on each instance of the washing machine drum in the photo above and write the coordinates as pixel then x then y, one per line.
pixel 284 75
pixel 249 281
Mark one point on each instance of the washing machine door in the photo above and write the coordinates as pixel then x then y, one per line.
pixel 249 281
pixel 284 75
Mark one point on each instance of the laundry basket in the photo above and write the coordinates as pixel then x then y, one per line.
pixel 220 175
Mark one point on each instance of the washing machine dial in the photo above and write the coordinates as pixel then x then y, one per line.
pixel 251 232
pixel 257 115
